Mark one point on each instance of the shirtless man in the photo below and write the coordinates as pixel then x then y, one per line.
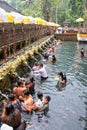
pixel 18 91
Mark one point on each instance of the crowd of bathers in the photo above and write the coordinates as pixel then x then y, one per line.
pixel 21 100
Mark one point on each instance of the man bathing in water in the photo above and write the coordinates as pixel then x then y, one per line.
pixel 41 106
pixel 42 72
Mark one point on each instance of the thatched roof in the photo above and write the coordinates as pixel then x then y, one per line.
pixel 8 8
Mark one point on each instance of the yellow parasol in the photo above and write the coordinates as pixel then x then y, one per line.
pixel 80 20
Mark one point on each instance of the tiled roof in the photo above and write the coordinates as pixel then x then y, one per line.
pixel 8 8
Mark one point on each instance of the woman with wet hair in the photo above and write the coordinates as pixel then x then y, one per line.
pixel 53 58
pixel 15 102
pixel 62 80
pixel 32 86
pixel 11 118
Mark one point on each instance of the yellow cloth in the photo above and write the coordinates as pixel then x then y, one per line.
pixel 57 78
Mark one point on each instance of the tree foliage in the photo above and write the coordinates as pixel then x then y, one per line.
pixel 76 9
pixel 58 10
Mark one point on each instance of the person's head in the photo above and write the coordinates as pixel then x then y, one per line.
pixel 26 92
pixel 40 65
pixel 53 55
pixel 27 84
pixel 11 96
pixel 40 95
pixel 47 99
pixel 32 79
pixel 13 86
pixel 9 109
pixel 21 83
pixel 60 73
pixel 36 63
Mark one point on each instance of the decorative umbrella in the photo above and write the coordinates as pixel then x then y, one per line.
pixel 80 20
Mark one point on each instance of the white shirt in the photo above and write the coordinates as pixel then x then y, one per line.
pixel 6 127
pixel 43 72
pixel 35 68
pixel 39 103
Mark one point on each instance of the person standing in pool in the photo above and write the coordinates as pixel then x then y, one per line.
pixel 62 80
pixel 42 71
pixel 82 52
pixel 53 58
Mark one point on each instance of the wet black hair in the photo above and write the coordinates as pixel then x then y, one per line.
pixel 11 96
pixel 9 108
pixel 41 64
pixel 27 83
pixel 36 63
pixel 48 98
pixel 20 81
pixel 53 55
pixel 13 85
pixel 32 79
pixel 60 73
pixel 26 92
pixel 39 94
